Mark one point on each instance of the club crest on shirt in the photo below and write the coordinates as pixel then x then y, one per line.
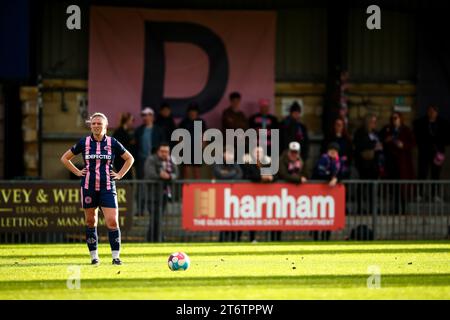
pixel 107 148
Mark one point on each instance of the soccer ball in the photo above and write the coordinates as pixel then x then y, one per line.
pixel 178 261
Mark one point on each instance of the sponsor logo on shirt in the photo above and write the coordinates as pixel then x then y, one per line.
pixel 98 156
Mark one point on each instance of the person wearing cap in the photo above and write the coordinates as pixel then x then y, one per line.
pixel 148 137
pixel 192 171
pixel 290 170
pixel 264 120
pixel 293 130
pixel 432 133
pixel 291 164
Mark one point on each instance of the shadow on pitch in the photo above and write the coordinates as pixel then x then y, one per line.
pixel 290 252
pixel 350 281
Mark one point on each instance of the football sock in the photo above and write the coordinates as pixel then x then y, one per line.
pixel 94 254
pixel 114 241
pixel 91 238
pixel 92 242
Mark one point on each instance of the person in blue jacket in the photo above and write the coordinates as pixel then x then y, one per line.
pixel 328 168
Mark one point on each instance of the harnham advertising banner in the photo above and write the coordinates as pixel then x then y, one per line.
pixel 52 207
pixel 142 57
pixel 251 206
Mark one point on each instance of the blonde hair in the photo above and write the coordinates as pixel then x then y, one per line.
pixel 97 114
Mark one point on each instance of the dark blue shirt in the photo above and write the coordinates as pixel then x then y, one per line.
pixel 327 168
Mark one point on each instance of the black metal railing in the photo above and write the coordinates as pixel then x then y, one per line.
pixel 375 210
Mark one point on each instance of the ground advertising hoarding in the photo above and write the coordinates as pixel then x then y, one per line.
pixel 253 206
pixel 52 207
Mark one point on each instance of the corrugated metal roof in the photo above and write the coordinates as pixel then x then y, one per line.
pixel 388 54
pixel 64 53
pixel 385 55
pixel 301 44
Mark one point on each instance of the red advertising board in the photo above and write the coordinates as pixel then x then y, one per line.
pixel 253 206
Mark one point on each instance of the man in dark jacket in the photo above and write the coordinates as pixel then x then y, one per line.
pixel 233 117
pixel 293 130
pixel 369 156
pixel 229 170
pixel 160 167
pixel 369 159
pixel 192 170
pixel 264 120
pixel 148 137
pixel 165 121
pixel 253 162
pixel 432 135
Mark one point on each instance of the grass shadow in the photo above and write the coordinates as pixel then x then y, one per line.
pixel 349 281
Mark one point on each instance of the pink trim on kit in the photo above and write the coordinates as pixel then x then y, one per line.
pixel 87 149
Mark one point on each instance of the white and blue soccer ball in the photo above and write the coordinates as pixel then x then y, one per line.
pixel 178 261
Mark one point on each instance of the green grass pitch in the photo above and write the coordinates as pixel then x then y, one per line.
pixel 301 270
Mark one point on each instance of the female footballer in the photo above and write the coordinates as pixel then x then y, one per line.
pixel 97 182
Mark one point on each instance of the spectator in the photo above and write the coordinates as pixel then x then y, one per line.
pixel 160 167
pixel 124 134
pixel 290 169
pixel 369 161
pixel 148 137
pixel 229 170
pixel 432 135
pixel 340 136
pixel 192 170
pixel 233 117
pixel 291 164
pixel 264 120
pixel 398 142
pixel 253 163
pixel 165 121
pixel 328 168
pixel 293 130
pixel 369 150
